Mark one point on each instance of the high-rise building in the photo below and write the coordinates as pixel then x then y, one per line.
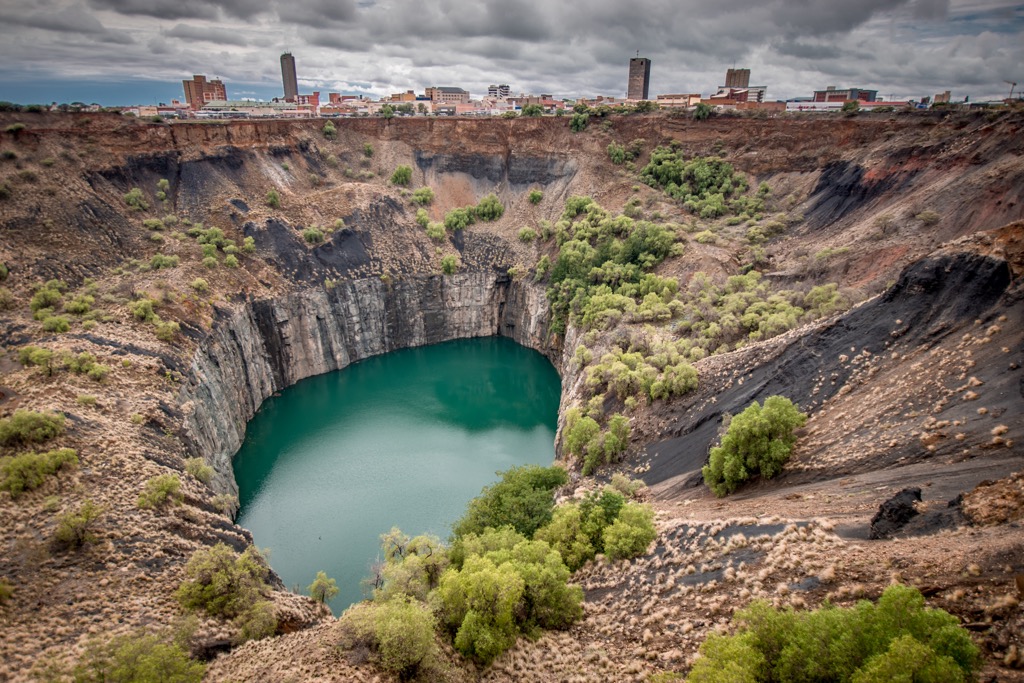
pixel 500 92
pixel 639 78
pixel 199 91
pixel 291 83
pixel 737 78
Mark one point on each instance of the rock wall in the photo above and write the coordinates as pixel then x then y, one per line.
pixel 268 345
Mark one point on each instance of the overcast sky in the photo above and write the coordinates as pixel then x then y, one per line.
pixel 137 51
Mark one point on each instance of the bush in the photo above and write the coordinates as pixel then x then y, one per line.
pixel 402 175
pixel 75 528
pixel 758 441
pixel 230 261
pixel 423 196
pixel 536 196
pixel 210 262
pixel 56 323
pixel 897 639
pixel 47 296
pixel 80 305
pixel 313 235
pixel 6 591
pixel 28 471
pixel 422 218
pixel 617 153
pixel 160 261
pixel 6 299
pixel 527 235
pixel 449 264
pixel 329 131
pixel 167 329
pixel 142 310
pixel 368 150
pixel 928 217
pixel 200 285
pixel 578 122
pixel 577 530
pixel 399 632
pixel 436 231
pixel 34 355
pixel 702 112
pixel 458 219
pixel 161 490
pixel 249 245
pixel 631 532
pixel 273 199
pixel 222 583
pixel 489 208
pixel 28 427
pixel 523 499
pixel 137 658
pixel 198 469
pixel 136 200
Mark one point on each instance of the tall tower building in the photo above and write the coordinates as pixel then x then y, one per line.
pixel 291 84
pixel 737 78
pixel 639 78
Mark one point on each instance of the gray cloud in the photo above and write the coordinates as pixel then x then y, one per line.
pixel 569 48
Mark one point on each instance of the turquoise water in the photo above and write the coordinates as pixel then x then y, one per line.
pixel 405 439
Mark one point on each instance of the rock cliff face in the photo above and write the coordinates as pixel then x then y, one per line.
pixel 267 345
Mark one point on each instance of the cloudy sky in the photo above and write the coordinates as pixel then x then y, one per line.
pixel 137 51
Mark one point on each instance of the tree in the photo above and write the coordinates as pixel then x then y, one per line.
pixel 523 499
pixel 631 532
pixel 421 108
pixel 137 658
pixel 578 123
pixel 758 441
pixel 702 112
pixel 387 111
pixel 850 107
pixel 323 588
pixel 400 633
pixel 329 131
pixel 273 199
pixel 532 110
pixel 405 109
pixel 489 208
pixel 75 528
pixel 449 264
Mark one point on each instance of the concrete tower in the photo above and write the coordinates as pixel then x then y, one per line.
pixel 291 84
pixel 737 78
pixel 639 78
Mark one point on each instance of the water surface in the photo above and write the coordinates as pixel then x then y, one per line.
pixel 405 439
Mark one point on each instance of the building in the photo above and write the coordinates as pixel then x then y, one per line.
pixel 639 78
pixel 199 91
pixel 291 83
pixel 679 100
pixel 942 98
pixel 499 91
pixel 737 78
pixel 442 95
pixel 407 96
pixel 753 93
pixel 831 94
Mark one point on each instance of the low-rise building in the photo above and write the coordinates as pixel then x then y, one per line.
pixel 832 94
pixel 447 95
pixel 682 100
pixel 199 91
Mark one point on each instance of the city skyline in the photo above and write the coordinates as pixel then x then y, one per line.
pixel 135 51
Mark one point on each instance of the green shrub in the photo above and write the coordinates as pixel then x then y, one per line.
pixel 536 196
pixel 249 245
pixel 142 309
pixel 436 231
pixel 166 330
pixel 458 219
pixel 423 196
pixel 28 427
pixel 422 218
pixel 928 217
pixel 313 235
pixel 75 528
pixel 153 224
pixel 161 490
pixel 4 271
pixel 200 285
pixel 56 323
pixel 527 235
pixel 449 264
pixel 136 200
pixel 224 503
pixel 617 153
pixel 626 486
pixel 368 150
pixel 631 532
pixel 46 296
pixel 222 583
pixel 210 262
pixel 15 128
pixel 489 208
pixel 329 131
pixel 576 530
pixel 5 191
pixel 230 261
pixel 86 400
pixel 36 356
pixel 198 468
pixel 758 441
pixel 897 639
pixel 273 199
pixel 506 586
pixel 402 175
pixel 160 261
pixel 399 632
pixel 522 498
pixel 137 658
pixel 578 122
pixel 6 591
pixel 28 471
pixel 80 305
